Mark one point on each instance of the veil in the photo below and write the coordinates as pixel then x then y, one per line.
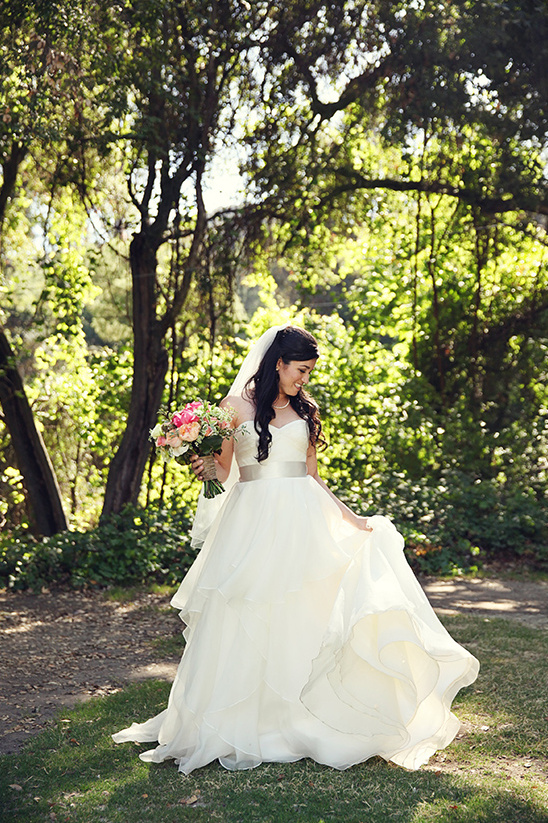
pixel 207 510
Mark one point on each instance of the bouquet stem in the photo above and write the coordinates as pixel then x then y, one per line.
pixel 212 486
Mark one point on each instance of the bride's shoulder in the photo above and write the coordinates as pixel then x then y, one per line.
pixel 243 409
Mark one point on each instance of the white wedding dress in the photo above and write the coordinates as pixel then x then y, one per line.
pixel 305 636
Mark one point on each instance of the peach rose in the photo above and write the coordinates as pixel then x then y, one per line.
pixel 173 439
pixel 189 431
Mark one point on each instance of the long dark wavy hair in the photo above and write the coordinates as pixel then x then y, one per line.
pixel 291 343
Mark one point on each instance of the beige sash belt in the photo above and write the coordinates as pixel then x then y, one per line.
pixel 281 469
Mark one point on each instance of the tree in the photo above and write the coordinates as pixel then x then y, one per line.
pixel 457 75
pixel 32 458
pixel 192 66
pixel 184 57
pixel 447 109
pixel 48 57
pixel 302 86
pixel 161 82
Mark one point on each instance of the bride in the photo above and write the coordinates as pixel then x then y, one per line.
pixel 307 634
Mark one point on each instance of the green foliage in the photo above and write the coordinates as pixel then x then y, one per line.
pixel 135 547
pixel 404 209
pixel 433 389
pixel 453 523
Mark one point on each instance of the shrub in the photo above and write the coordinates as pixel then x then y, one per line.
pixel 456 523
pixel 135 547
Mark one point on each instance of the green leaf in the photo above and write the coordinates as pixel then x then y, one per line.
pixel 210 445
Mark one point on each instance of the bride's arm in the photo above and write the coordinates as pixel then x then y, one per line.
pixel 348 515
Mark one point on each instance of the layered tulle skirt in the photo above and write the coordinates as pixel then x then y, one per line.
pixel 305 638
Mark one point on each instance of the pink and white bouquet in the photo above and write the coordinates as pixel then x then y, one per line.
pixel 198 428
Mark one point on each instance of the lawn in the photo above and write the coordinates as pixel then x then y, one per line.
pixel 495 771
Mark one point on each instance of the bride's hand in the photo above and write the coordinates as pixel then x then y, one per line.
pixel 363 524
pixel 197 464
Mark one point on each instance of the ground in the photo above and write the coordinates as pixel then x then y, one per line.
pixel 59 648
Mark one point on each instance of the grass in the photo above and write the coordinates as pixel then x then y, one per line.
pixel 494 773
pixel 127 594
pixel 507 571
pixel 167 647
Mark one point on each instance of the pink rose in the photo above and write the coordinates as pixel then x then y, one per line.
pixel 161 441
pixel 208 431
pixel 184 417
pixel 189 431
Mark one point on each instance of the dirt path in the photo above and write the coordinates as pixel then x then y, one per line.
pixel 519 600
pixel 60 648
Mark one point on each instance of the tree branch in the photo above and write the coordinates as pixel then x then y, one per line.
pixel 353 90
pixel 179 298
pixel 488 205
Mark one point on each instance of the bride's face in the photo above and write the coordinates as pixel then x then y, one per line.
pixel 294 375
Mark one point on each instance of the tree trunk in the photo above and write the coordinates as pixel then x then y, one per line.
pixel 150 363
pixel 10 168
pixel 32 458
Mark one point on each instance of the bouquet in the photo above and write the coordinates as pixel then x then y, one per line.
pixel 199 428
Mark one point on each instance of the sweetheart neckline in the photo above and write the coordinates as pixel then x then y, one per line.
pixel 277 428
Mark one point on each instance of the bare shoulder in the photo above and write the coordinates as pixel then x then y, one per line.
pixel 243 409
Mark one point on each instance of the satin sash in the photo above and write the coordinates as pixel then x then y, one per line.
pixel 280 469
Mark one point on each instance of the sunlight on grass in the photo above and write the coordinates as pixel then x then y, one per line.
pixel 494 773
pixel 166 647
pixel 124 594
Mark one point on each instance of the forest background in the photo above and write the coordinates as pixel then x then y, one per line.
pixel 388 191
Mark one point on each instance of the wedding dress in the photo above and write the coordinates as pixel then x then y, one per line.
pixel 305 637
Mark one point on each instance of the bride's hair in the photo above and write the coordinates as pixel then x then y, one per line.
pixel 290 343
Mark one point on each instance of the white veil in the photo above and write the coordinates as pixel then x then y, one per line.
pixel 207 510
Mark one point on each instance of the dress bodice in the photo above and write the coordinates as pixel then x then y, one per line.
pixel 289 443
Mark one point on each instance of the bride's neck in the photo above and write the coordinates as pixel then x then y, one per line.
pixel 281 402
